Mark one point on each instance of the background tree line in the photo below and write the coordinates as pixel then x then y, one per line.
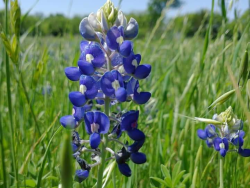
pixel 59 25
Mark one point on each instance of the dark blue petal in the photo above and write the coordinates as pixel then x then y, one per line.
pixel 132 29
pixel 103 121
pixel 78 113
pixel 124 169
pixel 223 152
pixel 77 98
pixel 138 158
pixel 83 45
pixel 209 142
pixel 112 35
pixel 98 118
pixel 210 131
pixel 87 31
pixel 106 84
pixel 142 71
pixel 116 59
pixel 117 130
pixel 136 146
pixel 244 152
pixel 68 122
pixel 94 140
pixel 72 73
pixel 217 142
pixel 96 52
pixel 225 141
pixel 142 97
pixel 91 85
pixel 121 94
pixel 129 120
pixel 126 48
pixel 130 63
pixel 136 135
pixel 81 175
pixel 202 134
pixel 238 141
pixel 88 119
pixel 86 67
pixel 74 147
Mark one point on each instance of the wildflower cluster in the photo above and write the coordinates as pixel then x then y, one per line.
pixel 226 134
pixel 108 72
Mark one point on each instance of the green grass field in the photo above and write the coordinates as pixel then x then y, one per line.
pixel 186 78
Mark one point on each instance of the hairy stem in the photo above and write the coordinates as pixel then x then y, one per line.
pixel 221 173
pixel 104 145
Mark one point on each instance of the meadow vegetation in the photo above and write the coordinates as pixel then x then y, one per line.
pixel 191 67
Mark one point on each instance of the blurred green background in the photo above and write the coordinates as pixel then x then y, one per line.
pixel 195 58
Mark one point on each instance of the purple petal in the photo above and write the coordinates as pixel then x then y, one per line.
pixel 112 35
pixel 142 97
pixel 121 94
pixel 129 120
pixel 225 141
pixel 106 84
pixel 138 158
pixel 102 120
pixel 136 135
pixel 77 98
pixel 88 119
pixel 202 134
pixel 72 73
pixel 87 31
pixel 81 175
pixel 132 29
pixel 86 67
pixel 223 152
pixel 94 140
pixel 130 63
pixel 136 146
pixel 96 52
pixel 244 152
pixel 68 122
pixel 210 131
pixel 126 48
pixel 124 169
pixel 116 59
pixel 142 71
pixel 91 85
pixel 217 142
pixel 83 45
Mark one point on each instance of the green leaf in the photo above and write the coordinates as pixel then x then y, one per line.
pixel 168 181
pixel 165 171
pixel 30 183
pixel 177 179
pixel 159 181
pixel 243 68
pixel 177 168
pixel 223 98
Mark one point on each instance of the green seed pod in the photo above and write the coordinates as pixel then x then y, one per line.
pixel 223 98
pixel 243 68
pixel 208 121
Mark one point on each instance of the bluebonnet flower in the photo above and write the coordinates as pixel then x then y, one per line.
pixel 221 136
pixel 96 123
pixel 108 72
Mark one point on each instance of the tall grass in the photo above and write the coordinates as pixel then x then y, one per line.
pixel 32 160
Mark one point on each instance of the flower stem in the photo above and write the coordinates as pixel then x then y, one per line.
pixel 221 173
pixel 104 145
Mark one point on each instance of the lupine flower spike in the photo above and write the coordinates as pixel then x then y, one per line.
pixel 226 136
pixel 108 72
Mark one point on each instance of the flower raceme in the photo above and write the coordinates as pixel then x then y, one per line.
pixel 108 73
pixel 229 133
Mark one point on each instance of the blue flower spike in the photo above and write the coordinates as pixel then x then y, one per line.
pixel 108 72
pixel 230 132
